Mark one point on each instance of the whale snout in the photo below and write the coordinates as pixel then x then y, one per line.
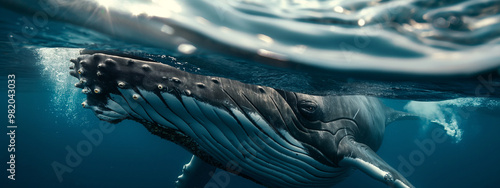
pixel 90 70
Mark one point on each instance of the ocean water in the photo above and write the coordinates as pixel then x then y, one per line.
pixel 437 59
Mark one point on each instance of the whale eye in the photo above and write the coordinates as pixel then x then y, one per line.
pixel 307 108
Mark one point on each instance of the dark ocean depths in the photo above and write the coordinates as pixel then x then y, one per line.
pixel 431 37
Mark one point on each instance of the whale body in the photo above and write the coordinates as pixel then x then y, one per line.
pixel 274 137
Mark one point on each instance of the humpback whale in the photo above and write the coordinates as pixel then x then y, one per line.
pixel 274 137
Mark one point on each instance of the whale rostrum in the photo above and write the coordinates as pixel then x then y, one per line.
pixel 274 137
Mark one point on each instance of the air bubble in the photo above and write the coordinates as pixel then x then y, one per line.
pixel 186 48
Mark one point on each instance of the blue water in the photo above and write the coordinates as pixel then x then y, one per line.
pixel 50 117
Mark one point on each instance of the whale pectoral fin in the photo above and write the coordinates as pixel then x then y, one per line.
pixel 362 157
pixel 195 174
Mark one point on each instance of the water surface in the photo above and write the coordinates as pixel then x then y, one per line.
pixel 408 50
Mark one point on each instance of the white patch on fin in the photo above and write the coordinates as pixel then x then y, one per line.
pixel 369 168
